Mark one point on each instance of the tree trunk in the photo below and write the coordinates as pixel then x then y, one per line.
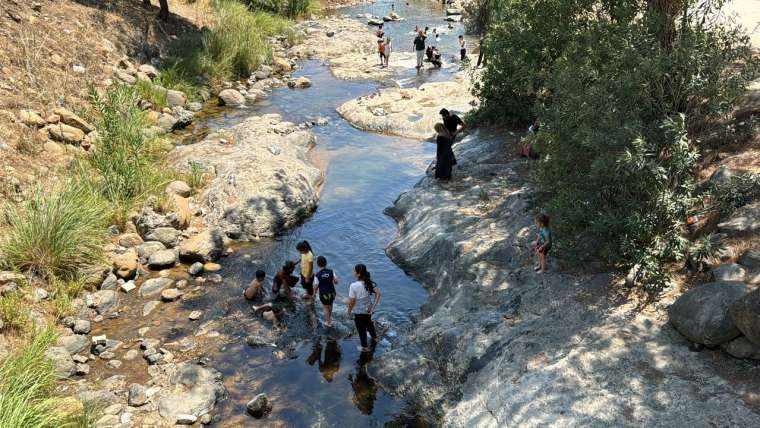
pixel 163 14
pixel 663 13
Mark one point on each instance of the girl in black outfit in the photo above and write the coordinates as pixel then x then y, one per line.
pixel 444 155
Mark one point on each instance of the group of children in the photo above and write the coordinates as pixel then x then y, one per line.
pixel 363 294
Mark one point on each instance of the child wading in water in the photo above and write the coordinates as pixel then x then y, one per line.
pixel 255 291
pixel 544 241
pixel 307 269
pixel 326 280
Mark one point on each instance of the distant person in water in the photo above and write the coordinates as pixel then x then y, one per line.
pixel 363 298
pixel 419 48
pixel 543 242
pixel 388 50
pixel 380 32
pixel 307 269
pixel 270 312
pixel 284 281
pixel 462 48
pixel 436 57
pixel 326 282
pixel 443 153
pixel 255 290
pixel 381 51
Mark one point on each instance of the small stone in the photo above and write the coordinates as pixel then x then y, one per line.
pixel 175 98
pixel 211 267
pixel 163 259
pixel 231 98
pixel 215 278
pixel 205 419
pixel 179 188
pixel 195 269
pixel 99 340
pixel 74 343
pixel 126 419
pixel 125 77
pixel 110 283
pixel 259 406
pixel 40 294
pixel 137 395
pixel 165 235
pixel 154 286
pixel 148 70
pixel 195 315
pixel 113 364
pixel 131 355
pixel 65 133
pixel 31 118
pixel 128 286
pixel 81 359
pixel 181 284
pixel 129 240
pixel 82 327
pixel 186 419
pixel 171 294
pixel 82 369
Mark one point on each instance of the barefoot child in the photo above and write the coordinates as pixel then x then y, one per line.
pixel 307 269
pixel 284 281
pixel 255 291
pixel 326 280
pixel 544 241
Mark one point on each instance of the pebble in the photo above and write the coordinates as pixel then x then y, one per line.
pixel 195 315
pixel 128 286
pixel 171 294
pixel 82 327
pixel 113 364
pixel 40 294
pixel 99 340
pixel 212 267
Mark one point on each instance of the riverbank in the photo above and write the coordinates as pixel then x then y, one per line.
pixel 500 345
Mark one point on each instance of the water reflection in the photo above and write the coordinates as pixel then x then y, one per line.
pixel 329 364
pixel 365 387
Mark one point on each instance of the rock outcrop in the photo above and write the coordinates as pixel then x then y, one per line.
pixel 500 345
pixel 262 182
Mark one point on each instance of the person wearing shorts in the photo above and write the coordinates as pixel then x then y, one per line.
pixel 326 282
pixel 307 269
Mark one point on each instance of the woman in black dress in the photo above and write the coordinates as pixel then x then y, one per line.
pixel 444 156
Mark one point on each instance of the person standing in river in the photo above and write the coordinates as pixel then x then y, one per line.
pixel 462 48
pixel 326 282
pixel 419 48
pixel 444 155
pixel 284 281
pixel 455 125
pixel 388 49
pixel 307 269
pixel 363 298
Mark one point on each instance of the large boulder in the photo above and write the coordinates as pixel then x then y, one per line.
pixel 163 259
pixel 73 119
pixel 194 391
pixel 125 265
pixel 64 365
pixel 729 272
pixel 262 184
pixel 149 220
pixel 154 286
pixel 105 301
pixel 203 247
pixel 147 249
pixel 701 314
pixel 175 98
pixel 741 347
pixel 231 98
pixel 745 220
pixel 745 313
pixel 65 133
pixel 165 235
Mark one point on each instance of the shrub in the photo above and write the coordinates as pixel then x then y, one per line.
pixel 13 312
pixel 236 43
pixel 149 92
pixel 173 77
pixel 739 190
pixel 288 8
pixel 127 166
pixel 27 380
pixel 622 91
pixel 54 233
pixel 64 293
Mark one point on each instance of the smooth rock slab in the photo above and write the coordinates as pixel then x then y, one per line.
pixel 195 391
pixel 745 313
pixel 701 314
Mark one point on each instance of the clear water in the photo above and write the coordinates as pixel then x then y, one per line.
pixel 322 381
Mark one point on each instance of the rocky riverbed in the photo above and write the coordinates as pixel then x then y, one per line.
pixel 500 345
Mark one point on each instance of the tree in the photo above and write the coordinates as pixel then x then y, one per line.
pixel 163 14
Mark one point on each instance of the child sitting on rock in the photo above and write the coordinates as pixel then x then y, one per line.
pixel 544 241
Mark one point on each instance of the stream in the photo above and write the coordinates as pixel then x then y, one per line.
pixel 319 377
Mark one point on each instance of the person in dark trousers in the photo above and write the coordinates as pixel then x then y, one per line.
pixel 363 298
pixel 462 48
pixel 326 281
pixel 455 125
pixel 443 153
pixel 307 269
pixel 482 52
pixel 419 48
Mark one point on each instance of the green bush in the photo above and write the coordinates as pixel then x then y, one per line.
pixel 739 190
pixel 149 92
pixel 234 45
pixel 288 8
pixel 173 77
pixel 14 312
pixel 127 166
pixel 54 233
pixel 623 93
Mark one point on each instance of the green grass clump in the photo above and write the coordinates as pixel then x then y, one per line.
pixel 127 166
pixel 288 8
pixel 54 233
pixel 148 91
pixel 234 45
pixel 174 77
pixel 13 312
pixel 27 386
pixel 64 293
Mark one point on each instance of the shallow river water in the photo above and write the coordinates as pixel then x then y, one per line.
pixel 322 381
